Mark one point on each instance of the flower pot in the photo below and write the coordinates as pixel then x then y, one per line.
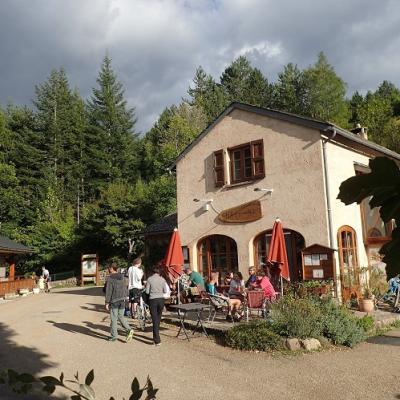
pixel 366 305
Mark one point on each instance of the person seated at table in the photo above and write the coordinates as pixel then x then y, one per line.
pixel 228 278
pixel 263 283
pixel 212 284
pixel 252 278
pixel 195 279
pixel 236 297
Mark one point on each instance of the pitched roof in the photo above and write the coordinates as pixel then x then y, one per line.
pixel 164 225
pixel 325 127
pixel 9 246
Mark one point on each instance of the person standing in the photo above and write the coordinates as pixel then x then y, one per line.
pixel 116 294
pixel 156 288
pixel 46 279
pixel 135 285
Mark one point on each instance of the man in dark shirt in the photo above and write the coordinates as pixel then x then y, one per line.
pixel 116 294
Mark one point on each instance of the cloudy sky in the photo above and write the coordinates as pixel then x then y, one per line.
pixel 156 45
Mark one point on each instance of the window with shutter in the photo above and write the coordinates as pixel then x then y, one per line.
pixel 257 159
pixel 219 173
pixel 247 161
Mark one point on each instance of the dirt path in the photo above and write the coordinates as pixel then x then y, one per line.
pixel 66 331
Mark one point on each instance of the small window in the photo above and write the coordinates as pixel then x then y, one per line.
pixel 247 162
pixel 219 172
pixel 373 226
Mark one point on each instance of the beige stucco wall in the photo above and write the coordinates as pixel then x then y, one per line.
pixel 293 168
pixel 340 162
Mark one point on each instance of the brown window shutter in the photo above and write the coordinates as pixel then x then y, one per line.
pixel 257 159
pixel 219 172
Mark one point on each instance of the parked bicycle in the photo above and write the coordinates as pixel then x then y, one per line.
pixel 143 311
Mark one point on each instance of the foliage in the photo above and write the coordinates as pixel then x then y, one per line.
pixel 312 317
pixel 382 187
pixel 340 326
pixel 109 115
pixel 256 335
pixel 367 323
pixel 297 317
pixel 25 383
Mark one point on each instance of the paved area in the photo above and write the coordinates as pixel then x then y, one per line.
pixel 66 331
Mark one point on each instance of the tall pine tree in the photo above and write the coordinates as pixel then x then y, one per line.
pixel 114 123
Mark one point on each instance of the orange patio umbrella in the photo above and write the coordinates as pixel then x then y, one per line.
pixel 277 250
pixel 173 261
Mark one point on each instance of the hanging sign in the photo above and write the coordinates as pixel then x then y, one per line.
pixel 246 212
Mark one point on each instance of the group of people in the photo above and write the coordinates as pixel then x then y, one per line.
pixel 236 290
pixel 131 285
pixel 234 285
pixel 117 290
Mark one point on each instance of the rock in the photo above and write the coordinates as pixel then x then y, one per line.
pixel 311 344
pixel 293 344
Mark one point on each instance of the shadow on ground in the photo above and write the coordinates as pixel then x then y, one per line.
pixel 21 359
pixel 78 329
pixel 387 340
pixel 88 291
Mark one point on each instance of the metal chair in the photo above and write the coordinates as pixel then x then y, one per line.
pixel 255 301
pixel 217 303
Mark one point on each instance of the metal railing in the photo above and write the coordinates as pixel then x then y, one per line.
pixel 60 276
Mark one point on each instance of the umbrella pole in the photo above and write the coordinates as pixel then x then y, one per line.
pixel 281 286
pixel 179 294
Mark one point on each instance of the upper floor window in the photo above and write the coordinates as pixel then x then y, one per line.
pixel 246 163
pixel 374 228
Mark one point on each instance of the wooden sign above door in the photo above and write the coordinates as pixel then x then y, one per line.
pixel 246 212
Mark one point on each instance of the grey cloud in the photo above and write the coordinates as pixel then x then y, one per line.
pixel 157 45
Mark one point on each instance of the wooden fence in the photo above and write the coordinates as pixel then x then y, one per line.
pixel 14 286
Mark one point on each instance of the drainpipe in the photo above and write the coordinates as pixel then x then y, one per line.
pixel 327 192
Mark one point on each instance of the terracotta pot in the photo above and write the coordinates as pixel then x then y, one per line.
pixel 366 305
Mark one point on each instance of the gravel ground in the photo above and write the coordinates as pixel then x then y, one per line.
pixel 66 331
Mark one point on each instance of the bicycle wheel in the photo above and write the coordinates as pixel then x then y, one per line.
pixel 141 318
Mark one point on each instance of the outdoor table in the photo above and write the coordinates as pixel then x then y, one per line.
pixel 183 309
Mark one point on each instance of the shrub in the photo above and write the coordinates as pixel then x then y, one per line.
pixel 367 323
pixel 297 317
pixel 256 335
pixel 340 326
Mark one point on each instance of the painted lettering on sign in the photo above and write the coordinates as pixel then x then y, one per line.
pixel 246 212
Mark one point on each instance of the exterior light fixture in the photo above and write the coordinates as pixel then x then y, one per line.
pixel 203 200
pixel 269 191
pixel 206 205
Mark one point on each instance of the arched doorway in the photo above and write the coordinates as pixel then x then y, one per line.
pixel 217 253
pixel 295 243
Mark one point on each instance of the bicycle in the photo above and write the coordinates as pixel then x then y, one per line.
pixel 142 313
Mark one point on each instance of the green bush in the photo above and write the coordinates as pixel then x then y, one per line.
pixel 367 323
pixel 297 317
pixel 340 326
pixel 256 335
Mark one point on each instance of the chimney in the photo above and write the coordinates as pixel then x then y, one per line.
pixel 360 131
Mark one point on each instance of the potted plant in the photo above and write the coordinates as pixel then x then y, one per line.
pixel 367 302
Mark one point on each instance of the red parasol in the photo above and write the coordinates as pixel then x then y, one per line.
pixel 173 261
pixel 277 250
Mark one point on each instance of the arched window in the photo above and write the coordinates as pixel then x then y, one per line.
pixel 294 244
pixel 348 258
pixel 217 253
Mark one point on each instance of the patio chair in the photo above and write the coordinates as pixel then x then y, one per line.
pixel 217 304
pixel 255 301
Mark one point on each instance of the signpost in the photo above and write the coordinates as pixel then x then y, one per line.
pixel 89 269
